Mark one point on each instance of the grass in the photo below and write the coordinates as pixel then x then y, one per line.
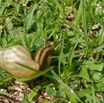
pixel 77 63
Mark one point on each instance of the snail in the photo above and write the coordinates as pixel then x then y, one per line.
pixel 11 57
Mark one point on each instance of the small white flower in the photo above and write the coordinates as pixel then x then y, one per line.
pixel 1 28
pixel 71 91
pixel 24 4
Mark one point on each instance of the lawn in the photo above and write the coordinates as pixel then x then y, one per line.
pixel 76 71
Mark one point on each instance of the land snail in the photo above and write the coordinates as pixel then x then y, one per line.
pixel 11 57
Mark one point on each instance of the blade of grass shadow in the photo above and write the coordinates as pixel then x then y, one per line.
pixel 26 67
pixel 38 73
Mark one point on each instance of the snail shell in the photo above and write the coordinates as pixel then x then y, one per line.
pixel 17 54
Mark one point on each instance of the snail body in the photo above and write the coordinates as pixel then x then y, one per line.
pixel 43 56
pixel 11 57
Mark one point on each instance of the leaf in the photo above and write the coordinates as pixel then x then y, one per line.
pixel 4 93
pixel 51 92
pixel 33 93
pixel 29 18
pixel 2 7
pixel 84 72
